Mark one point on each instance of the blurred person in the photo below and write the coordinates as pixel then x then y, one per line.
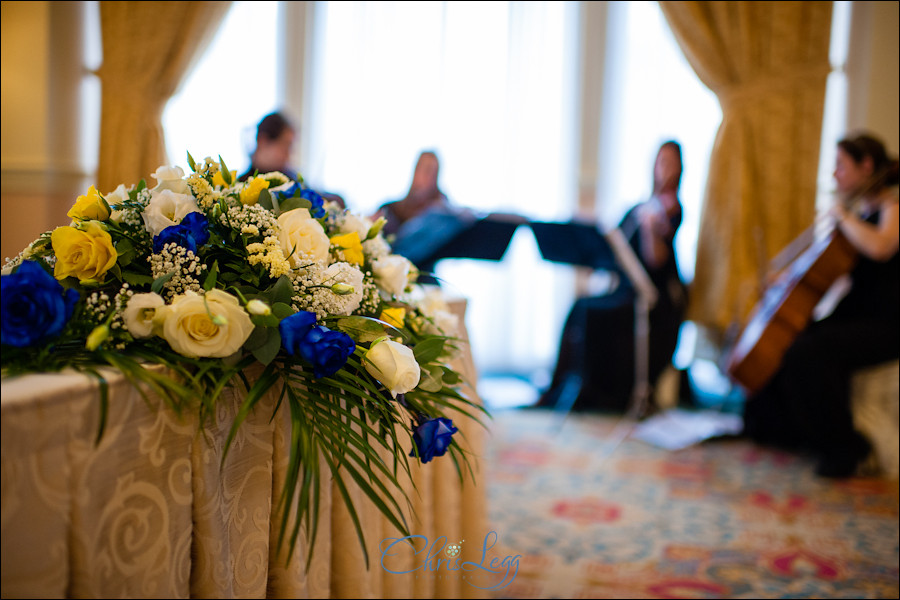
pixel 806 405
pixel 275 138
pixel 595 365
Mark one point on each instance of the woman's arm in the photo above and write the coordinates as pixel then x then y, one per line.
pixel 878 242
pixel 657 231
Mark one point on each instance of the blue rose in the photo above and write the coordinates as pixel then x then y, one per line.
pixel 35 307
pixel 327 350
pixel 191 233
pixel 432 438
pixel 317 210
pixel 294 328
pixel 290 192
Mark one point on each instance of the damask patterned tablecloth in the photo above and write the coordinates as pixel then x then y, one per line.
pixel 148 512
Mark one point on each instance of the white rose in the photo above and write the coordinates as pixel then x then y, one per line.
pixel 167 208
pixel 170 178
pixel 140 312
pixel 116 198
pixel 394 365
pixel 360 225
pixel 213 325
pixel 302 237
pixel 391 273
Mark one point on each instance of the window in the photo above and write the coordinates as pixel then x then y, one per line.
pixel 653 95
pixel 490 86
pixel 229 90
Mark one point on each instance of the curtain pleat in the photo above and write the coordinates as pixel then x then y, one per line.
pixel 148 48
pixel 767 62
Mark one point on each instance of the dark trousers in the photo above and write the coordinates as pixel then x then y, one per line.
pixel 596 355
pixel 807 404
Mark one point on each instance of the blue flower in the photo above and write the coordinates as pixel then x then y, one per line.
pixel 432 438
pixel 317 203
pixel 317 210
pixel 191 233
pixel 290 192
pixel 294 328
pixel 327 350
pixel 35 307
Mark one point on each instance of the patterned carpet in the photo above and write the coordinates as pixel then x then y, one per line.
pixel 594 514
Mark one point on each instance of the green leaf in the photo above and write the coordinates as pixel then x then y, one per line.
pixel 116 271
pixel 450 376
pixel 265 320
pixel 282 310
pixel 281 291
pixel 137 279
pixel 191 162
pixel 125 250
pixel 257 338
pixel 265 200
pixel 294 202
pixel 159 282
pixel 361 329
pixel 428 350
pixel 211 277
pixel 268 351
pixel 432 379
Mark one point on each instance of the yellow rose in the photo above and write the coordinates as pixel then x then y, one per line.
pixel 394 315
pixel 250 192
pixel 86 253
pixel 352 247
pixel 213 325
pixel 90 207
pixel 219 180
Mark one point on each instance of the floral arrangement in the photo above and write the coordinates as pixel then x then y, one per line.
pixel 203 282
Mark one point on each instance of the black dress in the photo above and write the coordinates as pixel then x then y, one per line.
pixel 806 405
pixel 596 354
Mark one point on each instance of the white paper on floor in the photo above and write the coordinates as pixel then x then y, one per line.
pixel 677 428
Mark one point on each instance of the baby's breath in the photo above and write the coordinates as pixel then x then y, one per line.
pixel 186 268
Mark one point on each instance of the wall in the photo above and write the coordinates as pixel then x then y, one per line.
pixel 873 71
pixel 42 73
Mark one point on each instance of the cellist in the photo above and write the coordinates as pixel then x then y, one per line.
pixel 806 405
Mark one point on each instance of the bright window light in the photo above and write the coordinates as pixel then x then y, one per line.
pixel 229 90
pixel 490 86
pixel 653 95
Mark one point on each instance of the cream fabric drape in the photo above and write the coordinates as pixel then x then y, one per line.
pixel 151 512
pixel 147 49
pixel 768 63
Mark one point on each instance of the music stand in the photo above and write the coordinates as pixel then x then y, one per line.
pixel 436 235
pixel 583 244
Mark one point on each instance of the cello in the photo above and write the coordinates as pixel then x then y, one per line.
pixel 786 308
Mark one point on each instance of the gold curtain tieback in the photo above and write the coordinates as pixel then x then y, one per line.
pixel 739 95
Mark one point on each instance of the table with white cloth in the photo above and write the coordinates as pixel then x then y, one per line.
pixel 149 511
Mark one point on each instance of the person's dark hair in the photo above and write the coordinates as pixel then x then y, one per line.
pixel 862 146
pixel 272 126
pixel 673 145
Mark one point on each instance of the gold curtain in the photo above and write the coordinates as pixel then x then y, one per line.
pixel 768 63
pixel 148 47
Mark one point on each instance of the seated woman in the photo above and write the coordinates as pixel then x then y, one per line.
pixel 424 195
pixel 806 405
pixel 596 363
